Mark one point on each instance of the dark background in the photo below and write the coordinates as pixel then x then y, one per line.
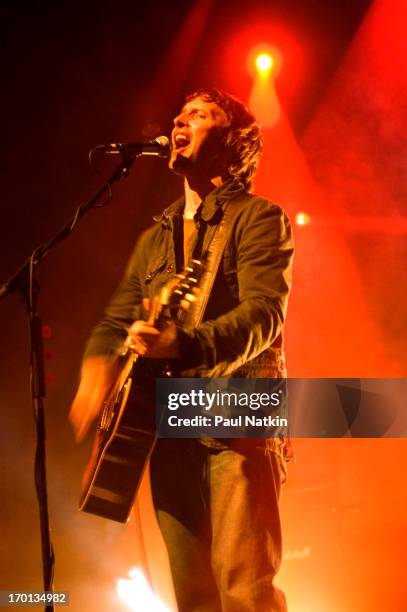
pixel 79 74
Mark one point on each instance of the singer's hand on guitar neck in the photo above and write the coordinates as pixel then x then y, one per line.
pixel 97 377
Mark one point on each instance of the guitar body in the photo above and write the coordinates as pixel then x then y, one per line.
pixel 123 443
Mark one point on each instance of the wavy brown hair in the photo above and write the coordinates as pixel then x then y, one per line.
pixel 242 135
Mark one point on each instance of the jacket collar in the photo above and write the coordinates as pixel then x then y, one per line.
pixel 174 210
pixel 208 208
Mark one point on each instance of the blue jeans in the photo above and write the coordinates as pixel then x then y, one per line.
pixel 219 516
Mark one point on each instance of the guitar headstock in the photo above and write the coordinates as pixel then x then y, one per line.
pixel 175 298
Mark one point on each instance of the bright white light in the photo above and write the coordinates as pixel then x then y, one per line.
pixel 264 62
pixel 302 218
pixel 137 594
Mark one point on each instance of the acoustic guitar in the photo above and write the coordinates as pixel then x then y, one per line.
pixel 125 434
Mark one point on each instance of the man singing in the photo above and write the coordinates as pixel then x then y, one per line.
pixel 216 499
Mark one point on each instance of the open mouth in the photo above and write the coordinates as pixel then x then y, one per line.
pixel 181 141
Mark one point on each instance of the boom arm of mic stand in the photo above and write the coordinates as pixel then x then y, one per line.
pixel 18 280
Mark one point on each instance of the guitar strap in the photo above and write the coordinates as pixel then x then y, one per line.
pixel 216 236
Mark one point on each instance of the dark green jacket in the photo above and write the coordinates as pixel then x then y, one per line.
pixel 247 307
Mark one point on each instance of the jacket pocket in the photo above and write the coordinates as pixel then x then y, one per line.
pixel 154 268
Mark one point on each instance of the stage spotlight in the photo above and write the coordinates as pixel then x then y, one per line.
pixel 264 62
pixel 302 218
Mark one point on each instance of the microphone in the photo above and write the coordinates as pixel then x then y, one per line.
pixel 160 146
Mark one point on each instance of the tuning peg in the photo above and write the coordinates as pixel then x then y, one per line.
pixel 190 297
pixel 185 304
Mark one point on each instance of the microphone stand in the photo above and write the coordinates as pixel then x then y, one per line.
pixel 25 282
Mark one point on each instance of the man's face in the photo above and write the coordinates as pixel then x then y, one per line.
pixel 197 140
